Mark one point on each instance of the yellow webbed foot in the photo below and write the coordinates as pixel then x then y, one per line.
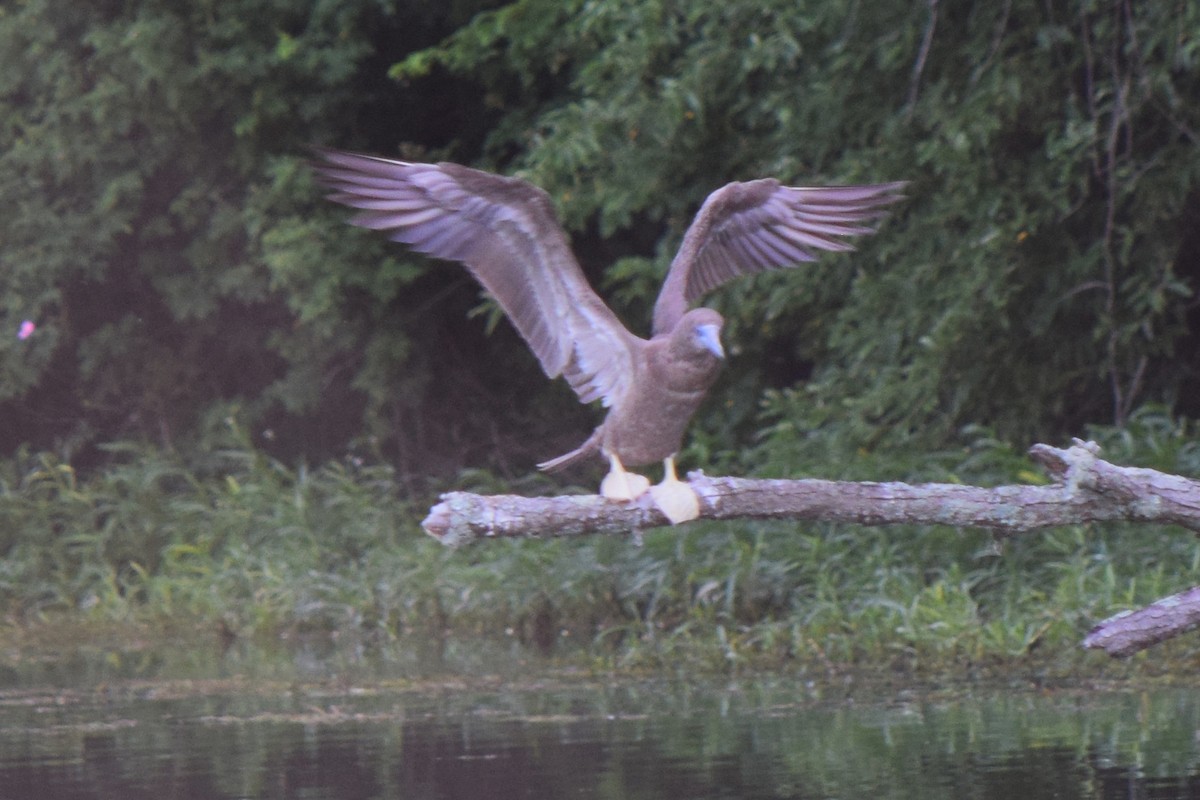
pixel 674 498
pixel 621 485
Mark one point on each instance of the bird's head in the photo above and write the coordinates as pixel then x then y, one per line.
pixel 698 334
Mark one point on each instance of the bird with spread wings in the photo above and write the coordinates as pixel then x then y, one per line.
pixel 505 232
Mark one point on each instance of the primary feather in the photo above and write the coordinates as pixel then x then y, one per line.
pixel 506 233
pixel 761 225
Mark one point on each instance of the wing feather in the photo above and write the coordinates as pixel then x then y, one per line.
pixel 505 232
pixel 756 226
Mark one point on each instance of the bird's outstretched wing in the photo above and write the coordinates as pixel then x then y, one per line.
pixel 756 226
pixel 505 232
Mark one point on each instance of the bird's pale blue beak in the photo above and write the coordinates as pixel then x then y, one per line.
pixel 709 337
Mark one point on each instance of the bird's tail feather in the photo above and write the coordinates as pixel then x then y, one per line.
pixel 588 449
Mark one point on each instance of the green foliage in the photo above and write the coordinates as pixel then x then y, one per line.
pixel 163 234
pixel 254 547
pixel 249 542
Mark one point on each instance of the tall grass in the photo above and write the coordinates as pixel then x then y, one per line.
pixel 255 547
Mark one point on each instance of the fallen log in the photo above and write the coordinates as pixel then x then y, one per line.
pixel 1083 488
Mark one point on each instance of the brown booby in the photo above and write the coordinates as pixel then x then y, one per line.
pixel 505 231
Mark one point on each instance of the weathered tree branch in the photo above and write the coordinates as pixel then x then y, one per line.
pixel 1132 631
pixel 1084 488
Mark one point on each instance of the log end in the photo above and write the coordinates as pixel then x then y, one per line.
pixel 450 521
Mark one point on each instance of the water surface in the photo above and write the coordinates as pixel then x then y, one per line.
pixel 331 730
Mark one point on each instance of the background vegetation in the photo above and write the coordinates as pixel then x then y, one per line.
pixel 236 408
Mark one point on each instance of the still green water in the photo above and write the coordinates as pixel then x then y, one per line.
pixel 339 722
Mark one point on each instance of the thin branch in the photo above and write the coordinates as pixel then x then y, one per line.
pixel 993 48
pixel 914 84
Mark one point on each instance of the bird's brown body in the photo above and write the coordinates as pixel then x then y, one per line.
pixel 505 232
pixel 672 376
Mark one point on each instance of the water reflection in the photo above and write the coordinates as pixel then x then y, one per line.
pixel 239 736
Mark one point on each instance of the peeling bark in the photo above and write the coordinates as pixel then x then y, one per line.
pixel 1084 488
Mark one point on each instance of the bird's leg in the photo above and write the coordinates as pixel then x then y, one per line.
pixel 621 485
pixel 676 499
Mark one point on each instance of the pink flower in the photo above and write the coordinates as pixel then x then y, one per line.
pixel 26 330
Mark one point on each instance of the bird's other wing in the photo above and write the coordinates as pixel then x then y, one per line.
pixel 750 227
pixel 505 232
